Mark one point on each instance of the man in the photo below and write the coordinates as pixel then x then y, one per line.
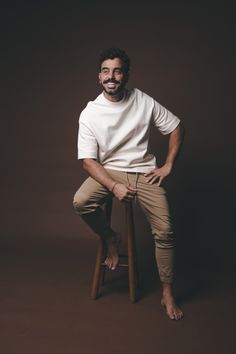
pixel 113 143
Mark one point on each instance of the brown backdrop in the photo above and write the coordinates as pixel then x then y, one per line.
pixel 182 54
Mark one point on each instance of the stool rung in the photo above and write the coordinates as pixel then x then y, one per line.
pixel 119 264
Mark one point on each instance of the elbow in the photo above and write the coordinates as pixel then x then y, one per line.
pixel 87 163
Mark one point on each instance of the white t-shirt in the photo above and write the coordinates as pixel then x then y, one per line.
pixel 117 133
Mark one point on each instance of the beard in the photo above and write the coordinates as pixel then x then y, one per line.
pixel 115 91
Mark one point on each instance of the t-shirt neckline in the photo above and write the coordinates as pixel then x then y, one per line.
pixel 114 103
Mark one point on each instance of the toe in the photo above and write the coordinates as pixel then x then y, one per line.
pixel 114 265
pixel 179 315
pixel 108 263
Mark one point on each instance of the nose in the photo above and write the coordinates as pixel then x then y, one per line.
pixel 111 74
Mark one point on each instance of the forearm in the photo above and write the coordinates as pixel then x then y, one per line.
pixel 99 173
pixel 175 143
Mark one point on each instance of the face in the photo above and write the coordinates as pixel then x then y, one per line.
pixel 112 77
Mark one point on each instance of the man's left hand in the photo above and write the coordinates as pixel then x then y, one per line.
pixel 158 174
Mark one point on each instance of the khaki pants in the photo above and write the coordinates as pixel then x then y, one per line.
pixel 152 200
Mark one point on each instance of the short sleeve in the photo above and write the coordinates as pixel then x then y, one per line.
pixel 87 143
pixel 163 119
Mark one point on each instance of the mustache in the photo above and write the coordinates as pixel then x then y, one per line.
pixel 111 80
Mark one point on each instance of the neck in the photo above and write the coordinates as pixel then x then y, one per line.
pixel 115 98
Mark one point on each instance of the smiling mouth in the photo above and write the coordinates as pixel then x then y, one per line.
pixel 111 85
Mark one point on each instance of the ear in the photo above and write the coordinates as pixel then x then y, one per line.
pixel 99 78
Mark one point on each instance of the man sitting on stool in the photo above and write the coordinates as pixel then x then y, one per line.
pixel 113 143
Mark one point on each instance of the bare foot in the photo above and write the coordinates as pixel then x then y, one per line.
pixel 172 310
pixel 112 259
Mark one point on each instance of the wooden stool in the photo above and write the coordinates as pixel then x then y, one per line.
pixel 100 267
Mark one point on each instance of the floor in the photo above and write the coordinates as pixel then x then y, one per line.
pixel 46 309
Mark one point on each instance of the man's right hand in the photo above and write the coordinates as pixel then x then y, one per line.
pixel 99 173
pixel 124 193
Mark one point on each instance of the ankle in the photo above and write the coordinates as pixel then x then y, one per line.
pixel 167 289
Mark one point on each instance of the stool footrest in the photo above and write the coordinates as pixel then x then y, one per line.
pixel 118 265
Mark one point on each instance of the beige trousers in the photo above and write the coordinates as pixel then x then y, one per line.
pixel 152 200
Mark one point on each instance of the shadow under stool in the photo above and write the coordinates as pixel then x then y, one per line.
pixel 131 257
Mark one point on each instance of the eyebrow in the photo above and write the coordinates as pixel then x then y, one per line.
pixel 119 68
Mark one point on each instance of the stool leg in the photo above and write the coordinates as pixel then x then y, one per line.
pixel 97 271
pixel 131 252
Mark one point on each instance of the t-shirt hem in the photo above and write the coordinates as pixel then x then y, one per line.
pixel 144 169
pixel 81 157
pixel 172 128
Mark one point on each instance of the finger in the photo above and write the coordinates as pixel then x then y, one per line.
pixel 150 178
pixel 132 192
pixel 131 188
pixel 149 173
pixel 160 181
pixel 154 175
pixel 153 179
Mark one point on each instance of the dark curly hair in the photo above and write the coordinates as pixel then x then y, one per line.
pixel 112 53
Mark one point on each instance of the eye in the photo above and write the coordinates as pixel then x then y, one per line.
pixel 118 72
pixel 105 71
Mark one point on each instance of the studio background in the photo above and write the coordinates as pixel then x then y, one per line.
pixel 182 54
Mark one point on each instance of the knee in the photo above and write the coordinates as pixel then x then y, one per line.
pixel 79 203
pixel 83 204
pixel 164 238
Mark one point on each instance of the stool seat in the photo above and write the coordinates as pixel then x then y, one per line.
pixel 131 264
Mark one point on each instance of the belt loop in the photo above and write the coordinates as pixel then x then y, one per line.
pixel 127 177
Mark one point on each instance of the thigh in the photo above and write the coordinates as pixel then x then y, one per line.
pixel 118 176
pixel 91 191
pixel 153 201
pixel 92 194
